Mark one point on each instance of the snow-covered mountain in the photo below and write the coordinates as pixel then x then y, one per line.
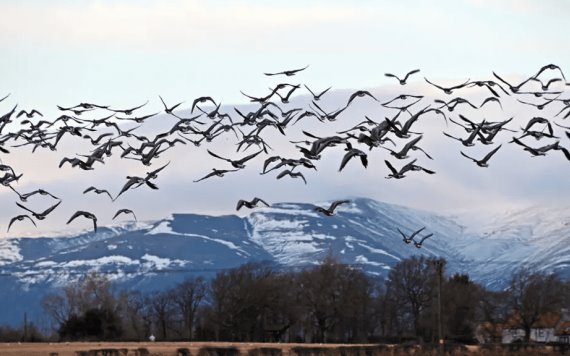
pixel 364 233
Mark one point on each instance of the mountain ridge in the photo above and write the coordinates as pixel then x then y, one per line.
pixel 152 255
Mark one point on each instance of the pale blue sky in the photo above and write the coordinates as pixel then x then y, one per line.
pixel 122 53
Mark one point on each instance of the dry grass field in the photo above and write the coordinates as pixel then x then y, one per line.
pixel 235 349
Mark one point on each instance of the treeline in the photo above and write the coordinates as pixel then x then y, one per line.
pixel 331 302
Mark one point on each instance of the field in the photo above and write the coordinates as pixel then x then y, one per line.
pixel 234 349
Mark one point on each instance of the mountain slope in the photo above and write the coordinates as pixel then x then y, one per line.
pixel 364 233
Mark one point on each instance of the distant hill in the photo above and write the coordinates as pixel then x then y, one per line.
pixel 150 256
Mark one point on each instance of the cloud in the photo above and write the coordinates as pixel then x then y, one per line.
pixel 157 24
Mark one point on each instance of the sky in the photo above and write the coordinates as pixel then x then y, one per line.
pixel 123 53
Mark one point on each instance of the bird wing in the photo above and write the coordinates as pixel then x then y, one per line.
pixel 50 209
pixel 410 73
pixel 215 155
pixel 416 232
pixel 345 159
pixel 424 238
pixel 247 158
pixel 335 204
pixel 448 135
pixel 435 85
pixel 240 203
pixel 471 158
pixel 490 154
pixel 283 174
pixel 259 200
pixel 390 167
pixel 206 176
pixel 75 215
pixel 23 207
pixel 91 188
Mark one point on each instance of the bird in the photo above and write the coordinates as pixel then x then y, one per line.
pixel 411 237
pixel 43 215
pixel 402 81
pixel 402 172
pixel 216 172
pixel 540 151
pixel 98 191
pixel 30 114
pixel 331 208
pixel 167 109
pixel 130 110
pixel 514 88
pixel 85 214
pixel 484 161
pixel 353 152
pixel 419 244
pixel 359 94
pixel 131 181
pixel 288 172
pixel 124 211
pixel 240 163
pixel 317 97
pixel 469 140
pixel 25 196
pixel 449 90
pixel 411 145
pixel 287 72
pixel 202 99
pixel 20 218
pixel 250 204
pixel 550 67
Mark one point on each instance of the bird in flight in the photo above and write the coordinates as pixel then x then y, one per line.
pixel 20 218
pixel 124 211
pixel 331 208
pixel 402 81
pixel 484 161
pixel 250 204
pixel 85 214
pixel 288 72
pixel 44 214
pixel 418 244
pixel 411 237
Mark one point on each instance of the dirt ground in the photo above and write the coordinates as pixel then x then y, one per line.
pixel 155 348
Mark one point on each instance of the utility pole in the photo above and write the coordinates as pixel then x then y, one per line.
pixel 439 268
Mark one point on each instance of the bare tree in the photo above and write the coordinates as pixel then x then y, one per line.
pixel 534 294
pixel 187 297
pixel 410 285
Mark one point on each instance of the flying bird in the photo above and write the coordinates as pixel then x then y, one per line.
pixel 98 191
pixel 484 161
pixel 217 173
pixel 411 237
pixel 331 208
pixel 419 244
pixel 402 81
pixel 449 90
pixel 288 172
pixel 85 214
pixel 240 163
pixel 44 214
pixel 317 97
pixel 167 109
pixel 250 204
pixel 124 211
pixel 30 114
pixel 20 218
pixel 288 72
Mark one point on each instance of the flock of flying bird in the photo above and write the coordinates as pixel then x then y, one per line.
pixel 207 121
